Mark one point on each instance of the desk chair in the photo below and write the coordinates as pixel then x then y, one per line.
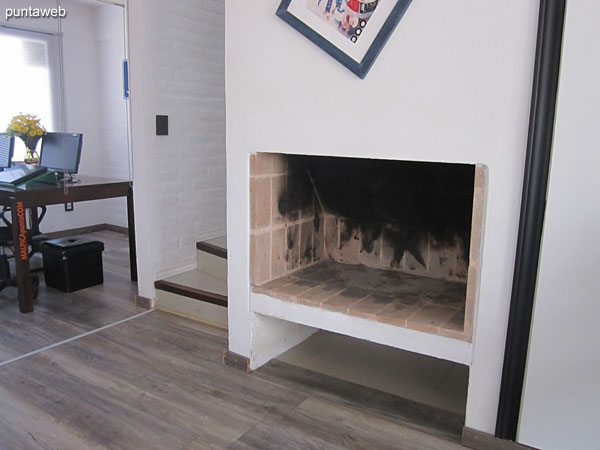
pixel 33 238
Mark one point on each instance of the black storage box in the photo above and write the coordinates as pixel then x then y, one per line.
pixel 72 263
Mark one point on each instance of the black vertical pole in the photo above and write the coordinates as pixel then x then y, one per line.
pixel 131 231
pixel 533 205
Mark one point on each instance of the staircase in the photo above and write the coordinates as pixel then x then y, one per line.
pixel 199 294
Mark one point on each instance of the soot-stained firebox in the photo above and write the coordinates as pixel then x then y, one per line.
pixel 394 217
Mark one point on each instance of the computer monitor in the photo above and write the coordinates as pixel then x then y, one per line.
pixel 7 148
pixel 61 152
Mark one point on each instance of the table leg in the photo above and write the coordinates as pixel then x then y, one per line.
pixel 19 231
pixel 131 229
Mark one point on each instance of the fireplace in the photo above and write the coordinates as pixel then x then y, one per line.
pixel 390 242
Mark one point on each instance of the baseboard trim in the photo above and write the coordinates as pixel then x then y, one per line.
pixel 116 228
pixel 74 231
pixel 479 440
pixel 144 302
pixel 88 229
pixel 186 266
pixel 211 234
pixel 236 361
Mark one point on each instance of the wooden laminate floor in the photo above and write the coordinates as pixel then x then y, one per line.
pixel 58 316
pixel 157 382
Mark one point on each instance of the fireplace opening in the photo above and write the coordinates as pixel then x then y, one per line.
pixel 387 240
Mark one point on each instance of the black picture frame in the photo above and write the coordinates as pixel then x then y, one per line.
pixel 359 68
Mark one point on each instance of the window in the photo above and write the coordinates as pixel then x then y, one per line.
pixel 30 83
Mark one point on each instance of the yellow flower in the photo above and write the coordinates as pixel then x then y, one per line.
pixel 27 127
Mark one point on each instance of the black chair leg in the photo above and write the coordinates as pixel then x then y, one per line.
pixel 6 280
pixel 4 268
pixel 35 285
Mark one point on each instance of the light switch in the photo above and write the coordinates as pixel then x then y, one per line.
pixel 162 125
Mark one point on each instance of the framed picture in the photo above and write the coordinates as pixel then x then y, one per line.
pixel 352 31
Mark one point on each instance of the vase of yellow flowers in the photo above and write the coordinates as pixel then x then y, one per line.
pixel 28 128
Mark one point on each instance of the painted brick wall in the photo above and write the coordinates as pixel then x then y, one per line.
pixel 177 69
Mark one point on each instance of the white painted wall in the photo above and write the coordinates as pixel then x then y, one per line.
pixel 113 141
pixel 177 69
pixel 452 84
pixel 562 387
pixel 81 110
pixel 92 53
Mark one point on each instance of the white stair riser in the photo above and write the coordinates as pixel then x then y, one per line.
pixel 212 265
pixel 191 308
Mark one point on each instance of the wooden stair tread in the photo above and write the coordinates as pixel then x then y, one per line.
pixel 197 285
pixel 217 247
pixel 220 241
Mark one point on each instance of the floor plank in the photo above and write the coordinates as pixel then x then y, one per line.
pixel 412 376
pixel 58 316
pixel 444 424
pixel 320 423
pixel 157 382
pixel 175 390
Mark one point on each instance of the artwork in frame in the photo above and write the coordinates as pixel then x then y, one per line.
pixel 352 31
